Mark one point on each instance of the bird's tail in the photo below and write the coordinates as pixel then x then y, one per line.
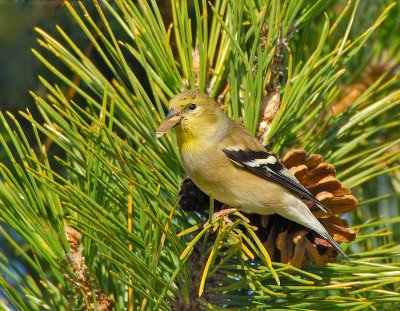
pixel 298 212
pixel 320 229
pixel 334 244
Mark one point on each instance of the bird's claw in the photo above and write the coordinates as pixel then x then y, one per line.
pixel 224 214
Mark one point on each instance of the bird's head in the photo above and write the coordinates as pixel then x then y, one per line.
pixel 191 112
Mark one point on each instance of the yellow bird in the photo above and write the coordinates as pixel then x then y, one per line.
pixel 223 159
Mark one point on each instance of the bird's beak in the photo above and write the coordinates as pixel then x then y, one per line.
pixel 171 119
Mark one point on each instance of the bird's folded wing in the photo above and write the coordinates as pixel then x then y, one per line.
pixel 267 166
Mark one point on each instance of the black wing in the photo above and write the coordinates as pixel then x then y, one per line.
pixel 266 165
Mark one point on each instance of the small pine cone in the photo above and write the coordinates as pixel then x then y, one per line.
pixel 196 67
pixel 73 238
pixel 269 108
pixel 288 242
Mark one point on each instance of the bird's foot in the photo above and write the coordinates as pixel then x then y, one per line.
pixel 224 214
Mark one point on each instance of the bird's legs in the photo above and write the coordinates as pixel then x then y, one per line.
pixel 224 212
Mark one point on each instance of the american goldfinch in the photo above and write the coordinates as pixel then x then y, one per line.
pixel 223 159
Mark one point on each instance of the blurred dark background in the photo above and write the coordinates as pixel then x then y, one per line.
pixel 19 68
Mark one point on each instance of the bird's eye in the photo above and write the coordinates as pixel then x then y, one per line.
pixel 192 106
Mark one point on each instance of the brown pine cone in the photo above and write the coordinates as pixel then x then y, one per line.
pixel 288 242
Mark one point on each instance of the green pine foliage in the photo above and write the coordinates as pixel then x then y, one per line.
pixel 95 164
